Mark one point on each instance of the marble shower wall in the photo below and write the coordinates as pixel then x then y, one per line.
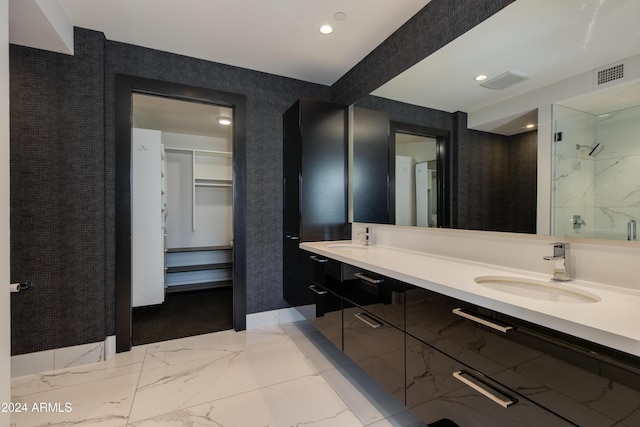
pixel 604 188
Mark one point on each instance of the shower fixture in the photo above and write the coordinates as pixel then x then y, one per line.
pixel 594 150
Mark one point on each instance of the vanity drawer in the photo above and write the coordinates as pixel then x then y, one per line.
pixel 432 318
pixel 377 347
pixel 377 294
pixel 544 369
pixel 440 387
pixel 328 313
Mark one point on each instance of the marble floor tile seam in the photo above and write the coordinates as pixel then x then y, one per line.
pixel 224 339
pixel 204 340
pixel 220 355
pixel 229 396
pixel 207 353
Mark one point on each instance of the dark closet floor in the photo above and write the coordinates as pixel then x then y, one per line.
pixel 184 314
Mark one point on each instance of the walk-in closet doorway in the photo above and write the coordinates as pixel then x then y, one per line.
pixel 180 239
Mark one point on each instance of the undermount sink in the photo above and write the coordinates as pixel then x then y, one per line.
pixel 537 289
pixel 347 246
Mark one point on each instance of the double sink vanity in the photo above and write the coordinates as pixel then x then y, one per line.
pixel 477 343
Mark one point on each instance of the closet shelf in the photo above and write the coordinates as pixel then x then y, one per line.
pixel 198 286
pixel 201 248
pixel 199 267
pixel 212 182
pixel 205 152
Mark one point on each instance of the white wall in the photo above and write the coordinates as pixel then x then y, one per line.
pixel 5 338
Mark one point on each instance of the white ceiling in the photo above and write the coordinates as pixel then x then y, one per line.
pixel 176 116
pixel 275 36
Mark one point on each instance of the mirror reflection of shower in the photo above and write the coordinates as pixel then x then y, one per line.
pixel 416 180
pixel 596 171
pixel 592 150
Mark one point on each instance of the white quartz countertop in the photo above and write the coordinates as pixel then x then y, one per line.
pixel 613 321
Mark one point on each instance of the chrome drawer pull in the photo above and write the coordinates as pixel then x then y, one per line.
pixel 317 291
pixel 505 403
pixel 365 318
pixel 316 259
pixel 462 313
pixel 368 279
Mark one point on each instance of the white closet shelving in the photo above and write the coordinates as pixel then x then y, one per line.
pixel 209 169
pixel 199 252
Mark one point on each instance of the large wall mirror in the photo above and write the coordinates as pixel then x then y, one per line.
pixel 545 63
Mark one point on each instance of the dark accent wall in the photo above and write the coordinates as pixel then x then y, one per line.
pixel 267 98
pixel 62 113
pixel 495 180
pixel 523 179
pixel 58 206
pixel 63 181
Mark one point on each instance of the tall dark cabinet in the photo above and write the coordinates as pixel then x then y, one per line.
pixel 315 187
pixel 373 171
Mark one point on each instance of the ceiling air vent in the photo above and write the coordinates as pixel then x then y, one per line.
pixel 608 74
pixel 505 80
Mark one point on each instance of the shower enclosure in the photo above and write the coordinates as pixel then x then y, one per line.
pixel 596 180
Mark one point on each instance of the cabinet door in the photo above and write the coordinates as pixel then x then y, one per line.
pixel 323 169
pixel 371 183
pixel 291 158
pixel 377 347
pixel 441 387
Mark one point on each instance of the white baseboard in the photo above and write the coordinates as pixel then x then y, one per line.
pixel 275 317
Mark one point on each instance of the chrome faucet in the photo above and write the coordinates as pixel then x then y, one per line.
pixel 364 235
pixel 561 264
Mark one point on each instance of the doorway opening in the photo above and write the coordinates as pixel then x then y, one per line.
pixel 187 198
pixel 182 186
pixel 420 185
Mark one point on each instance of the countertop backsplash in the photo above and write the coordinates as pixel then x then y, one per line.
pixel 607 262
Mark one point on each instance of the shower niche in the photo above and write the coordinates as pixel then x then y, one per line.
pixel 596 178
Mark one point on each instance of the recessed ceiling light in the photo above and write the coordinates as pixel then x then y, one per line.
pixel 326 29
pixel 530 126
pixel 226 121
pixel 480 77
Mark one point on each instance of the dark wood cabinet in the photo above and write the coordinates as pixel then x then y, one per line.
pixel 541 367
pixel 315 170
pixel 448 359
pixel 326 294
pixel 314 184
pixel 439 386
pixel 372 181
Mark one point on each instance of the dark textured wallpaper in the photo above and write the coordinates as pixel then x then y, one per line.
pixel 495 180
pixel 268 97
pixel 63 181
pixel 63 164
pixel 58 195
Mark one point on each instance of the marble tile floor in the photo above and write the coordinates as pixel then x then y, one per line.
pixel 286 375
